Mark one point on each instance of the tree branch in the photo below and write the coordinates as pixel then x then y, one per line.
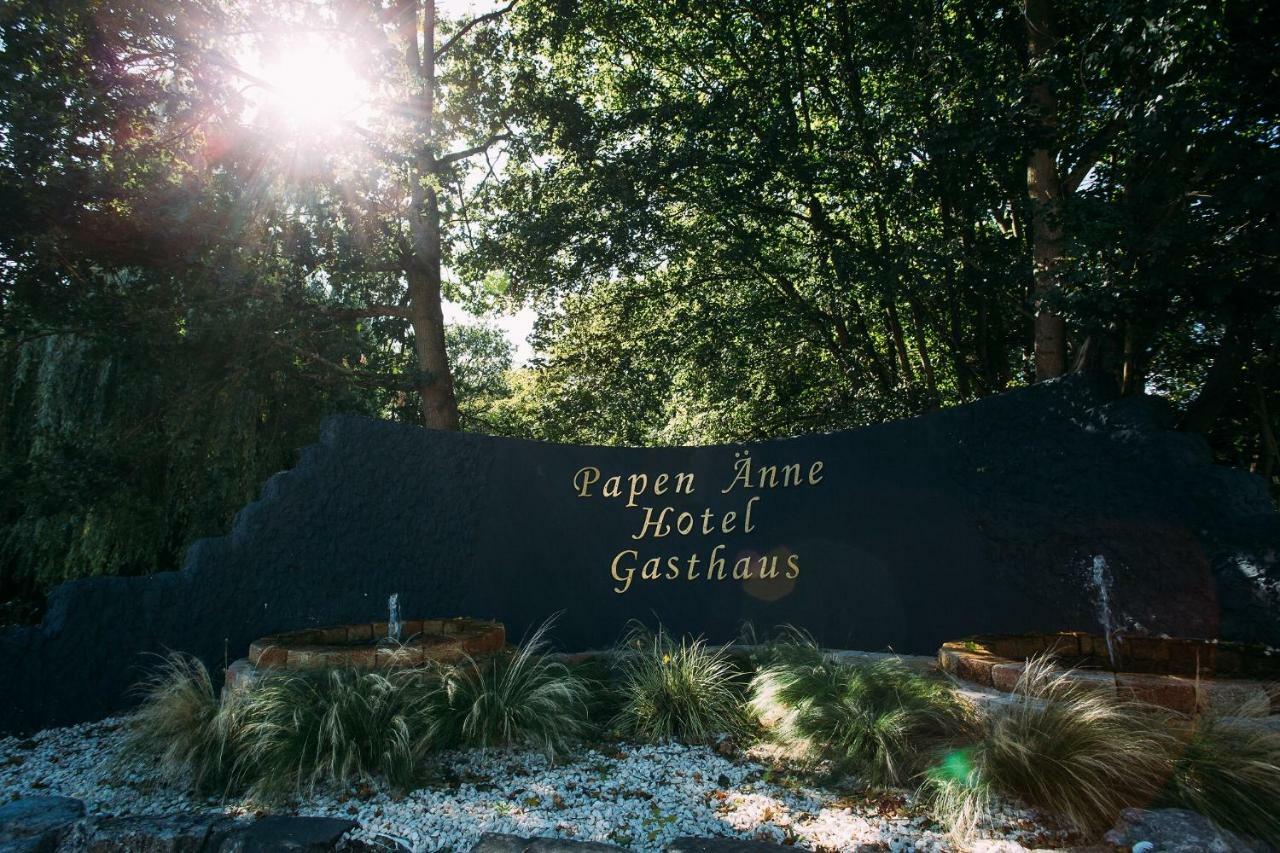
pixel 360 377
pixel 455 156
pixel 474 22
pixel 368 311
pixel 1090 155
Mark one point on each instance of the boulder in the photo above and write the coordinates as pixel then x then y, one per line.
pixel 741 845
pixel 1177 831
pixel 723 845
pixel 285 834
pixel 173 833
pixel 37 823
pixel 494 842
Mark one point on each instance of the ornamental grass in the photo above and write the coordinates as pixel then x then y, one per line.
pixel 293 731
pixel 685 690
pixel 1077 752
pixel 879 721
pixel 194 738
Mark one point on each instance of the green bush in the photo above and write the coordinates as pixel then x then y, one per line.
pixel 195 738
pixel 878 720
pixel 291 731
pixel 1078 753
pixel 1230 773
pixel 336 726
pixel 686 690
pixel 510 700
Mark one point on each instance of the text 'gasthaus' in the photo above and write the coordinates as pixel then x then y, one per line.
pixel 658 520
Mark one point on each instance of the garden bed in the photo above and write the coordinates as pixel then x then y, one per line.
pixel 636 796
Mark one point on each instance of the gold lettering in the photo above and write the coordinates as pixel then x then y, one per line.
pixel 583 480
pixel 625 580
pixel 726 523
pixel 716 565
pixel 771 471
pixel 815 473
pixel 741 473
pixel 649 571
pixel 742 569
pixel 639 482
pixel 693 562
pixel 793 566
pixel 673 568
pixel 660 484
pixel 612 487
pixel 791 475
pixel 684 483
pixel 684 523
pixel 660 526
pixel 747 526
pixel 768 568
pixel 707 526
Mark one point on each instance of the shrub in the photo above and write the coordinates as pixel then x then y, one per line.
pixel 878 720
pixel 195 739
pixel 1230 773
pixel 1076 752
pixel 510 700
pixel 686 690
pixel 336 726
pixel 294 730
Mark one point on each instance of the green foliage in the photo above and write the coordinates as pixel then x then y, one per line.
pixel 748 220
pixel 1231 774
pixel 337 727
pixel 1080 754
pixel 685 690
pixel 511 700
pixel 196 740
pixel 290 731
pixel 878 720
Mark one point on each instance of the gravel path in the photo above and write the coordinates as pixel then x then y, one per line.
pixel 638 797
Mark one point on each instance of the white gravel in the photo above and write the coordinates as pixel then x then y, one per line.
pixel 638 797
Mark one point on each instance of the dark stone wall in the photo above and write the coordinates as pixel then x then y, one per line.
pixel 981 518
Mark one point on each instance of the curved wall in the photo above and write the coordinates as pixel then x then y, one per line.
pixel 988 517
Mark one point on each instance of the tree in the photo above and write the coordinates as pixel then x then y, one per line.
pixel 798 216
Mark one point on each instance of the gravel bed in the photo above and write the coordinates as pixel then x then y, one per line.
pixel 639 797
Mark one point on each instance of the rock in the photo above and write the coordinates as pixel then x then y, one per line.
pixel 494 842
pixel 723 845
pixel 284 834
pixel 739 845
pixel 374 844
pixel 37 823
pixel 176 833
pixel 1177 831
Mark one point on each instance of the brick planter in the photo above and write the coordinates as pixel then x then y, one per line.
pixel 1180 674
pixel 363 646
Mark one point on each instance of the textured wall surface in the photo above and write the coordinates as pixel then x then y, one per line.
pixel 982 518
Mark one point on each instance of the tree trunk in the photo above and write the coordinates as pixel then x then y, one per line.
pixel 899 341
pixel 1221 380
pixel 1044 187
pixel 1133 378
pixel 426 313
pixel 922 345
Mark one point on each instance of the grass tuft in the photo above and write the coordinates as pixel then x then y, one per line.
pixel 685 690
pixel 194 737
pixel 1231 774
pixel 1076 752
pixel 335 726
pixel 878 720
pixel 511 700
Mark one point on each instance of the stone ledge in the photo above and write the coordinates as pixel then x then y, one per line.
pixel 1000 664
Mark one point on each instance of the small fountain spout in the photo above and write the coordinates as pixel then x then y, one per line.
pixel 1102 583
pixel 393 618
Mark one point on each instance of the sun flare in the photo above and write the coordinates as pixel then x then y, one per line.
pixel 311 86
